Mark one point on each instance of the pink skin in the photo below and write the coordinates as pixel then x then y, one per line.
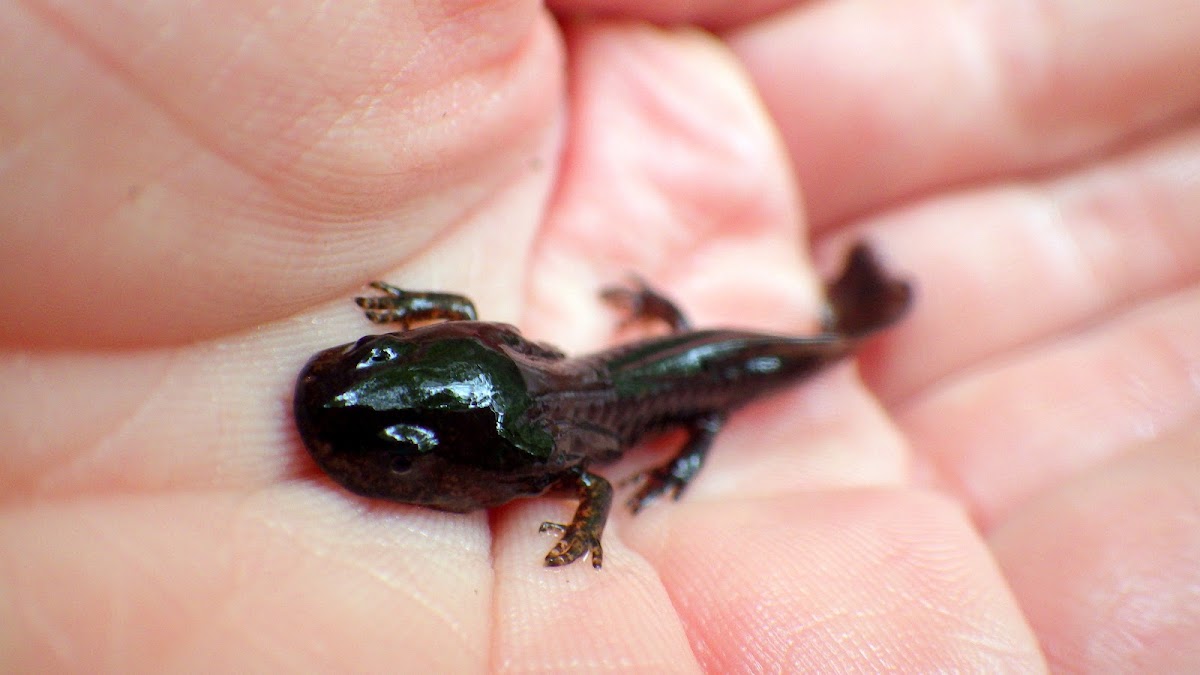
pixel 1009 480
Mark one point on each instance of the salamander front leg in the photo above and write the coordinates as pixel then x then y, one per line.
pixel 675 475
pixel 587 526
pixel 406 307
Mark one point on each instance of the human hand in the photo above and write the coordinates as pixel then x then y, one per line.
pixel 225 182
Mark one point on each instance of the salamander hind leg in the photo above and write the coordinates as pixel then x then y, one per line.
pixel 583 533
pixel 407 307
pixel 639 302
pixel 675 475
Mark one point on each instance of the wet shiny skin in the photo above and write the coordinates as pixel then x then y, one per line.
pixel 464 414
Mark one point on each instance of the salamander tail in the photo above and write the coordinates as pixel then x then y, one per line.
pixel 864 298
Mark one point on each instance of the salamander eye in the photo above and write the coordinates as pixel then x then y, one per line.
pixel 378 355
pixel 408 441
pixel 423 439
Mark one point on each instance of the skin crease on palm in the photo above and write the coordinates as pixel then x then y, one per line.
pixel 1008 481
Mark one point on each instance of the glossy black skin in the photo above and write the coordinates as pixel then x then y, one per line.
pixel 464 414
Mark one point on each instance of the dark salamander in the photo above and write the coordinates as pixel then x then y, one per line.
pixel 464 414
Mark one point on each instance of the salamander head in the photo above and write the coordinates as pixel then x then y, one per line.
pixel 437 415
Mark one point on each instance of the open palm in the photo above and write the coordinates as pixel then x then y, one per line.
pixel 1010 478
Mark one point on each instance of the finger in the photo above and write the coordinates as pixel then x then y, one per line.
pixel 670 162
pixel 1106 566
pixel 673 173
pixel 182 171
pixel 214 415
pixel 1000 435
pixel 873 580
pixel 879 102
pixel 291 578
pixel 1063 316
pixel 576 618
pixel 708 13
pixel 1029 263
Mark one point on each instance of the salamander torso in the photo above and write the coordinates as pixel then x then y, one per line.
pixel 466 414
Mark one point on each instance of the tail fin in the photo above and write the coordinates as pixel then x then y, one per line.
pixel 863 298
